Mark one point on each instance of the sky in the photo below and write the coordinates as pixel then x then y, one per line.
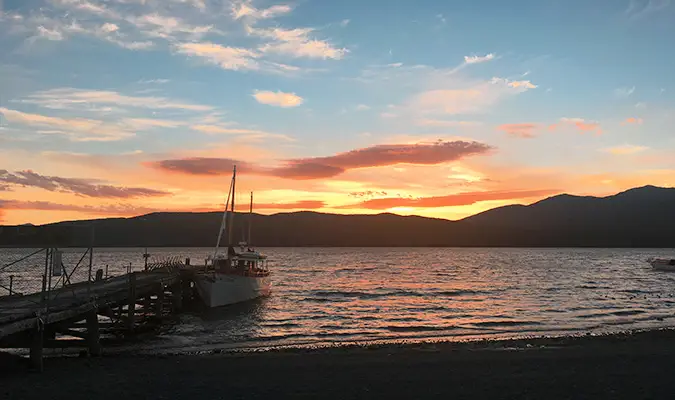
pixel 116 108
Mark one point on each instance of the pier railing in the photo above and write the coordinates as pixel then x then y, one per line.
pixel 43 271
pixel 46 296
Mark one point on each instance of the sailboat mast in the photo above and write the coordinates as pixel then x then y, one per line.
pixel 250 217
pixel 231 221
pixel 223 223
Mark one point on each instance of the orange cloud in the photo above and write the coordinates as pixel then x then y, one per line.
pixel 296 205
pixel 460 199
pixel 625 150
pixel 632 120
pixel 581 124
pixel 327 167
pixel 525 131
pixel 109 209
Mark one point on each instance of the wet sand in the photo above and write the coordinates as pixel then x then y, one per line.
pixel 613 367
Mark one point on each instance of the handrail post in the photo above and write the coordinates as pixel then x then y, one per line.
pixel 91 260
pixel 43 297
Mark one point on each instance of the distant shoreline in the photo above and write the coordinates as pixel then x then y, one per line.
pixel 342 247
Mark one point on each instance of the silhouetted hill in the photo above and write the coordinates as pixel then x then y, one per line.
pixel 640 217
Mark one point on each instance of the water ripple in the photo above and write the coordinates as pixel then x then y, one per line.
pixel 373 294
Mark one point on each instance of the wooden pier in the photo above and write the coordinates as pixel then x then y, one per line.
pixel 130 302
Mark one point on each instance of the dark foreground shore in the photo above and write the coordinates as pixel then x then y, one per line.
pixel 638 366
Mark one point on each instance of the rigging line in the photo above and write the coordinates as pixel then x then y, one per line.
pixel 21 259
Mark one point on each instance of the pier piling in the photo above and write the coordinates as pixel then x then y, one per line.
pixel 159 306
pixel 93 334
pixel 36 346
pixel 131 301
pixel 177 291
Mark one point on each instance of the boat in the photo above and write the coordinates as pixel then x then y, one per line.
pixel 662 264
pixel 238 275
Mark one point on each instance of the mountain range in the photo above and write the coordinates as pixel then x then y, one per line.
pixel 639 217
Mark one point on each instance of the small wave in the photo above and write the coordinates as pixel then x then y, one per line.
pixel 333 327
pixel 506 323
pixel 431 308
pixel 416 328
pixel 625 313
pixel 592 287
pixel 404 319
pixel 322 294
pixel 456 316
pixel 281 325
pixel 621 313
pixel 459 292
pixel 355 269
pixel 638 291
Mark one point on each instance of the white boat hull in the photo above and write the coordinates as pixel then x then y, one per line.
pixel 217 290
pixel 663 265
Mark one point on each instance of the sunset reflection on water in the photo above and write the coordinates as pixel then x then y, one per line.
pixel 346 295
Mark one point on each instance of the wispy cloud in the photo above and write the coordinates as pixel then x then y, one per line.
pixel 82 187
pixel 134 25
pixel 49 34
pixel 233 58
pixel 625 150
pixel 624 92
pixel 149 123
pixel 75 129
pixel 278 98
pixel 44 27
pixel 441 123
pixel 523 131
pixel 248 133
pixel 151 81
pixel 523 85
pixel 170 28
pixel 643 8
pixel 632 121
pixel 298 43
pixel 147 23
pixel 478 59
pixel 581 125
pixel 469 99
pixel 245 10
pixel 74 99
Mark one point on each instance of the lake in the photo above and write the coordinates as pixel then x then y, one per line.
pixel 325 296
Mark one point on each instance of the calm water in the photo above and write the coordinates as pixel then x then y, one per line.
pixel 327 295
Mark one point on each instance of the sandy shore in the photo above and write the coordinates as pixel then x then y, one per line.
pixel 620 366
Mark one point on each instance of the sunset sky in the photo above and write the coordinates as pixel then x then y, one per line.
pixel 435 108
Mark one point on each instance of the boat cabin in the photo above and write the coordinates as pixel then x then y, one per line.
pixel 247 262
